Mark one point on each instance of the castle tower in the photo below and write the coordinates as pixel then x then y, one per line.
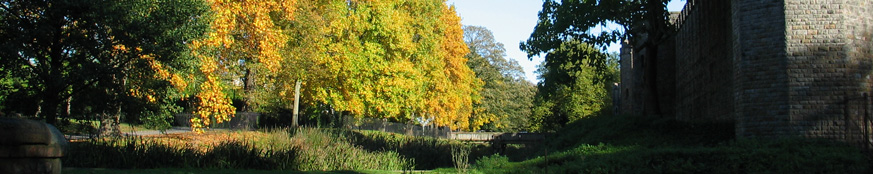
pixel 802 67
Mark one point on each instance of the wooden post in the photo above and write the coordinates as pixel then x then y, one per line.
pixel 296 103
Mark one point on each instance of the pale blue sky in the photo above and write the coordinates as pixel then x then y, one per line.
pixel 512 21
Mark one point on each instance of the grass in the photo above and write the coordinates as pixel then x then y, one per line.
pixel 628 144
pixel 210 171
pixel 601 144
pixel 427 152
pixel 304 149
pixel 86 127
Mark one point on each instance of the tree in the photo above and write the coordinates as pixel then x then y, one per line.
pixel 396 60
pixel 568 20
pixel 244 45
pixel 61 49
pixel 460 87
pixel 570 90
pixel 506 96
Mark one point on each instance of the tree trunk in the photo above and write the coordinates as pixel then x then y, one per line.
pixel 51 99
pixel 657 20
pixel 296 103
pixel 248 88
pixel 49 110
pixel 111 117
pixel 67 102
pixel 109 125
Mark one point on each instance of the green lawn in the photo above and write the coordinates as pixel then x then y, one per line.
pixel 635 144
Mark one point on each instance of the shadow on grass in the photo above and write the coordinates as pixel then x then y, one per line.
pixel 629 144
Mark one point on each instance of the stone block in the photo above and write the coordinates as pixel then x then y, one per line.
pixel 28 146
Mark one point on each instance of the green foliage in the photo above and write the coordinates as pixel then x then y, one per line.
pixel 461 158
pixel 573 86
pixel 567 23
pixel 95 52
pixel 495 161
pixel 575 19
pixel 506 96
pixel 76 127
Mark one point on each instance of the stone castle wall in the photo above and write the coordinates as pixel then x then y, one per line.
pixel 631 71
pixel 760 77
pixel 778 68
pixel 858 22
pixel 817 67
pixel 704 63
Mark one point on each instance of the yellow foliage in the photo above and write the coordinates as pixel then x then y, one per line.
pixel 452 101
pixel 241 30
pixel 374 58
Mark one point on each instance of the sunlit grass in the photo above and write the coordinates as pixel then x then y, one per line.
pixel 304 149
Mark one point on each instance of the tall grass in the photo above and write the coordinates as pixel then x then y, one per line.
pixel 138 152
pixel 304 149
pixel 428 152
pixel 461 158
pixel 323 150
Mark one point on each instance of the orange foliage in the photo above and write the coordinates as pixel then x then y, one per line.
pixel 241 30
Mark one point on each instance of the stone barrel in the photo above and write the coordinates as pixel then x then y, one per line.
pixel 28 146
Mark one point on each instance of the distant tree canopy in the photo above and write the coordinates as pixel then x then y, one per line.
pixel 506 96
pixel 392 59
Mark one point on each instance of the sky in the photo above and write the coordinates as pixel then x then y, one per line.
pixel 511 22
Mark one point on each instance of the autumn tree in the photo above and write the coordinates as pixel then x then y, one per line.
pixel 60 49
pixel 384 59
pixel 390 59
pixel 460 89
pixel 569 20
pixel 506 96
pixel 243 50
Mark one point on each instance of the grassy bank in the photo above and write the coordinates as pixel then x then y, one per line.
pixel 304 149
pixel 627 144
